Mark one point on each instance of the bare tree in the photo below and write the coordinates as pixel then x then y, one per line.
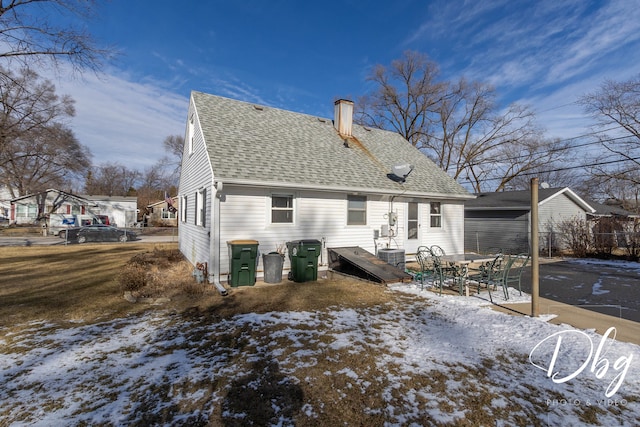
pixel 616 107
pixel 37 149
pixel 459 125
pixel 112 179
pixel 174 146
pixel 30 37
pixel 406 99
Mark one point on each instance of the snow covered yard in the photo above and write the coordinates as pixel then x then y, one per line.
pixel 418 360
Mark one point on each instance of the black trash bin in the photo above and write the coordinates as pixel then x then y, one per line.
pixel 303 255
pixel 272 263
pixel 243 257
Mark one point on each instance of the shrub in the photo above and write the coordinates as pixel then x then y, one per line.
pixel 575 235
pixel 133 277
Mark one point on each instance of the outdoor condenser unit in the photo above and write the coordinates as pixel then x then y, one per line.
pixel 394 257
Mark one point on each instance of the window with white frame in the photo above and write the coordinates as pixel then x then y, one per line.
pixel 26 211
pixel 282 209
pixel 183 209
pixel 436 214
pixel 201 204
pixel 191 133
pixel 356 210
pixel 167 214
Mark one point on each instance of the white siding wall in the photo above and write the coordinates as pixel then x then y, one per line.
pixel 450 236
pixel 195 175
pixel 557 210
pixel 245 214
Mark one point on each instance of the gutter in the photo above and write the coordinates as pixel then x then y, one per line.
pixel 360 190
pixel 214 239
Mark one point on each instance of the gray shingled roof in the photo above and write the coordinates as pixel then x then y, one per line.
pixel 516 200
pixel 260 144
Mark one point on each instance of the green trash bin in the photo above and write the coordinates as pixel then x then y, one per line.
pixel 243 257
pixel 303 255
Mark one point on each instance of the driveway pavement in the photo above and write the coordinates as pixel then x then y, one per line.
pixel 605 287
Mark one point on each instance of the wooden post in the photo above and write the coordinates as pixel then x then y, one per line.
pixel 535 277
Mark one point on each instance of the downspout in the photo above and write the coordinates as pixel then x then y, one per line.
pixel 214 239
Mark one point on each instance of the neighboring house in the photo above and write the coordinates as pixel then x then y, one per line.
pixel 122 210
pixel 33 208
pixel 38 207
pixel 5 204
pixel 614 226
pixel 502 219
pixel 163 213
pixel 260 173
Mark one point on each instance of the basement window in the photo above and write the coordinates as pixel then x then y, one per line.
pixel 282 209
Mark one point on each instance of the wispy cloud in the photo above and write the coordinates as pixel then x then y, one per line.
pixel 124 121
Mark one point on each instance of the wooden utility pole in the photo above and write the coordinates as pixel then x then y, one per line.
pixel 535 276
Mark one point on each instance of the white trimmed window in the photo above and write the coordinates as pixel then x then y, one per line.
pixel 435 214
pixel 191 133
pixel 282 209
pixel 183 209
pixel 26 211
pixel 356 210
pixel 201 204
pixel 167 214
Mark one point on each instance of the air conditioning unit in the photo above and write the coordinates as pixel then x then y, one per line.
pixel 394 257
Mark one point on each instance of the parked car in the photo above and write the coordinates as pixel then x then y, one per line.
pixel 97 233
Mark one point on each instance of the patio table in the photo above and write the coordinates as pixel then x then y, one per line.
pixel 463 261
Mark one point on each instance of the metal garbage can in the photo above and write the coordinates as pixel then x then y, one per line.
pixel 272 263
pixel 303 255
pixel 243 257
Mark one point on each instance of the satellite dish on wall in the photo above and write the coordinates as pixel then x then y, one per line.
pixel 399 173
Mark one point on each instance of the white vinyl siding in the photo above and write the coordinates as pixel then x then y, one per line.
pixel 196 175
pixel 246 214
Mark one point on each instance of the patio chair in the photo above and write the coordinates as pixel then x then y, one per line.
pixel 514 272
pixel 498 276
pixel 487 272
pixel 448 272
pixel 428 270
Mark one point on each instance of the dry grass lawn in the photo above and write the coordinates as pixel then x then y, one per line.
pixel 67 285
pixel 79 283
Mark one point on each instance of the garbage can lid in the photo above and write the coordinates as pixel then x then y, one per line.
pixel 242 242
pixel 310 242
pixel 305 242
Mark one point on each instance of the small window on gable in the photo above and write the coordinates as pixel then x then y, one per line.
pixel 190 136
pixel 356 210
pixel 282 209
pixel 436 215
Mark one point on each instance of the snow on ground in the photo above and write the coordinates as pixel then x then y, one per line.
pixel 100 373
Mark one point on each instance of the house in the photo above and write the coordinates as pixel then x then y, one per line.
pixel 502 219
pixel 38 207
pixel 121 210
pixel 163 213
pixel 614 227
pixel 260 173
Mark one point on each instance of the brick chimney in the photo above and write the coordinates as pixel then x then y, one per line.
pixel 343 120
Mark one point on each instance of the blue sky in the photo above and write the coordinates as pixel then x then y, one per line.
pixel 300 56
